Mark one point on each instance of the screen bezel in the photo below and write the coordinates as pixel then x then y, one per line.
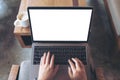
pixel 60 8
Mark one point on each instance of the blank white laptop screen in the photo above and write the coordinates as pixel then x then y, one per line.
pixel 60 24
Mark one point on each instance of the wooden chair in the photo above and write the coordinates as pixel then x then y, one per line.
pixel 14 72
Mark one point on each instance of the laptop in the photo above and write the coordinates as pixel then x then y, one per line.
pixel 64 31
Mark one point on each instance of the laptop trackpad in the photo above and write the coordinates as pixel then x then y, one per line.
pixel 62 73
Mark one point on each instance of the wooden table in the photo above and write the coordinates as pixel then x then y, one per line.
pixel 23 34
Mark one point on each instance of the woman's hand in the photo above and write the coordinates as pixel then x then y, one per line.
pixel 47 69
pixel 76 70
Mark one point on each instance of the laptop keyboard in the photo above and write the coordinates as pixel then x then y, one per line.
pixel 62 53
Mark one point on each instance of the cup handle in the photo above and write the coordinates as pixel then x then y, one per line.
pixel 17 23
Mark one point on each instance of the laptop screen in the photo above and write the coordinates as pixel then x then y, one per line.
pixel 60 24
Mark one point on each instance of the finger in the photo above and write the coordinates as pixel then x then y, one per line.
pixel 48 58
pixel 81 64
pixel 77 64
pixel 52 61
pixel 70 72
pixel 41 60
pixel 44 58
pixel 71 65
pixel 56 69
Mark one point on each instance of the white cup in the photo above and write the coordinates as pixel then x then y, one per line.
pixel 22 20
